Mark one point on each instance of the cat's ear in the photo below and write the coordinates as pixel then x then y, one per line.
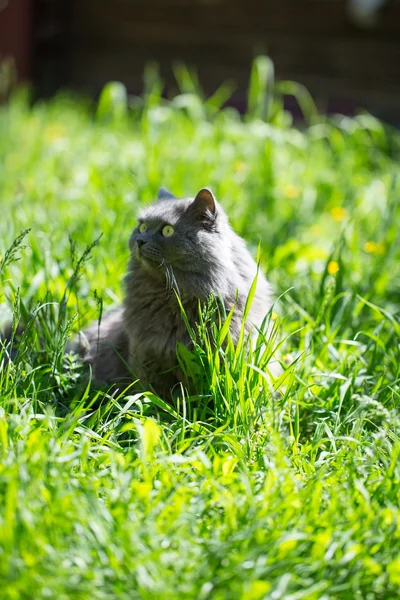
pixel 164 194
pixel 204 205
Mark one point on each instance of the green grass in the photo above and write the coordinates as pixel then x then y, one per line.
pixel 237 492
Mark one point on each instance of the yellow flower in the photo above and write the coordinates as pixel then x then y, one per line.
pixel 333 267
pixel 338 213
pixel 240 166
pixel 54 132
pixel 374 248
pixel 291 191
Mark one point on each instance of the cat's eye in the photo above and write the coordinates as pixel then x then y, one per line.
pixel 168 230
pixel 142 227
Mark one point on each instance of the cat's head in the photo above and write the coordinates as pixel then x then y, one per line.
pixel 184 234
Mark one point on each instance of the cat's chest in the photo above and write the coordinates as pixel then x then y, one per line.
pixel 155 325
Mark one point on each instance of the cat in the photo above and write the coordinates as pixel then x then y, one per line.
pixel 180 248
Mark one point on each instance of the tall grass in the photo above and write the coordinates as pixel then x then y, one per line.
pixel 246 487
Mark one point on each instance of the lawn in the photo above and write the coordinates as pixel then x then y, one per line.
pixel 241 492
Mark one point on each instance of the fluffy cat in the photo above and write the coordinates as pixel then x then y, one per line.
pixel 179 246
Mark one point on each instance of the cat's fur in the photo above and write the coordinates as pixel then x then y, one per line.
pixel 203 257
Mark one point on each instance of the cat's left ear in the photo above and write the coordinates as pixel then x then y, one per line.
pixel 164 194
pixel 204 205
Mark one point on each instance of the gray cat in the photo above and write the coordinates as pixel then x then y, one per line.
pixel 180 248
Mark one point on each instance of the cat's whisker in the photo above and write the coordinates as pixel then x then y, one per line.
pixel 174 283
pixel 167 279
pixel 167 276
pixel 161 264
pixel 170 279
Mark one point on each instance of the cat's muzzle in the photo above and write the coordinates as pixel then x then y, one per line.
pixel 148 251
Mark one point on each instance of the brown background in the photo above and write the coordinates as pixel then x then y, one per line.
pixel 82 44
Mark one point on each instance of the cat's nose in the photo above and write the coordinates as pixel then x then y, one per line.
pixel 140 243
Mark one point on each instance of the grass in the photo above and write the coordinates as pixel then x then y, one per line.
pixel 237 492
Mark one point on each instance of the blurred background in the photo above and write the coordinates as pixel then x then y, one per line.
pixel 346 52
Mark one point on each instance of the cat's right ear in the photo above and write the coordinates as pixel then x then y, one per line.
pixel 164 194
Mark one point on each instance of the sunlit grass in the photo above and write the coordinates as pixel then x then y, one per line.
pixel 239 490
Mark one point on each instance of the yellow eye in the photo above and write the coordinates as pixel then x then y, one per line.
pixel 168 230
pixel 143 227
